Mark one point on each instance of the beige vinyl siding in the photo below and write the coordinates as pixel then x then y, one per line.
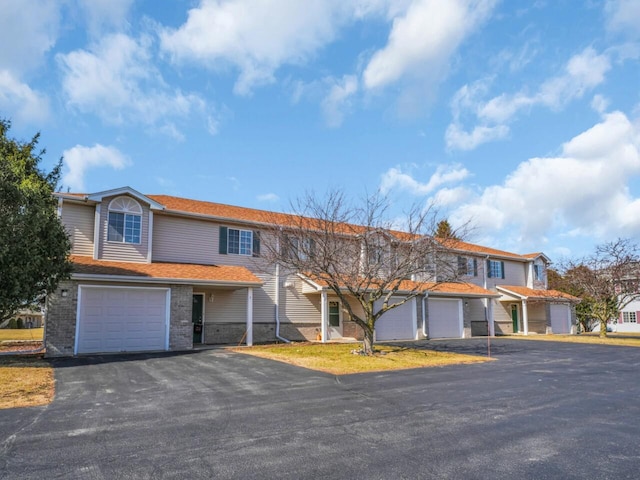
pixel 79 222
pixel 537 317
pixel 514 274
pixel 184 240
pixel 475 316
pixel 296 306
pixel 264 307
pixel 502 317
pixel 228 306
pixel 119 251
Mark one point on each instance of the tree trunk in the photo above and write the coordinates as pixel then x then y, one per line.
pixel 367 342
pixel 603 328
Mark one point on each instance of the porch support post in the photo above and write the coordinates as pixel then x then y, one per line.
pixel 249 316
pixel 491 324
pixel 525 318
pixel 324 316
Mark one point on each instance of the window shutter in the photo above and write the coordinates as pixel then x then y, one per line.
pixel 475 267
pixel 488 268
pixel 223 241
pixel 502 268
pixel 256 243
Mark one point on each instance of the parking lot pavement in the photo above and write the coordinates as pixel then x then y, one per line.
pixel 540 410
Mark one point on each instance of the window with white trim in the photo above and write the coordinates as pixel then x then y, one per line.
pixel 467 266
pixel 495 269
pixel 240 242
pixel 537 272
pixel 629 317
pixel 124 222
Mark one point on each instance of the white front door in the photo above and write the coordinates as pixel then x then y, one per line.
pixel 335 320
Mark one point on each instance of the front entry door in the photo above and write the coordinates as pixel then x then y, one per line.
pixel 335 322
pixel 514 317
pixel 196 317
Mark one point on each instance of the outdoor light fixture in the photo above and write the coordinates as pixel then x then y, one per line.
pixel 64 292
pixel 211 297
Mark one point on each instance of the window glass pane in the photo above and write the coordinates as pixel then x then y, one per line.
pixel 116 227
pixel 132 229
pixel 246 242
pixel 234 241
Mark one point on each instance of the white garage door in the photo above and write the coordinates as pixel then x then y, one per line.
pixel 398 324
pixel 560 318
pixel 445 319
pixel 121 319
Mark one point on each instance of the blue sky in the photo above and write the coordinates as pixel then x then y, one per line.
pixel 522 117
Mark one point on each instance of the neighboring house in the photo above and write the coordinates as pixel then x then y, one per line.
pixel 629 319
pixel 156 272
pixel 26 318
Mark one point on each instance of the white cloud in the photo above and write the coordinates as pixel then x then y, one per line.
pixel 27 33
pixel 268 197
pixel 450 196
pixel 26 105
pixel 339 99
pixel 257 36
pixel 600 103
pixel 583 72
pixel 422 39
pixel 117 81
pixel 394 178
pixel 459 139
pixel 79 159
pixel 105 14
pixel 585 189
pixel 623 16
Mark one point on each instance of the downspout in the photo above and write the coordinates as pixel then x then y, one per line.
pixel 424 315
pixel 277 301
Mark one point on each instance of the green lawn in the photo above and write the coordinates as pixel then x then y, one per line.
pixel 21 334
pixel 339 359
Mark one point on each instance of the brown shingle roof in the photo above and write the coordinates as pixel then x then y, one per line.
pixel 215 274
pixel 445 288
pixel 231 212
pixel 534 294
pixel 472 248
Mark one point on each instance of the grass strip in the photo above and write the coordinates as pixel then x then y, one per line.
pixel 25 381
pixel 338 358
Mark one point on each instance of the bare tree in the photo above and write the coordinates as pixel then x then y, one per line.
pixel 358 252
pixel 609 278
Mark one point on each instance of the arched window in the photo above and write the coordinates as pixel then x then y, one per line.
pixel 125 220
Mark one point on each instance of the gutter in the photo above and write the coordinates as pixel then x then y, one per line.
pixel 179 281
pixel 424 315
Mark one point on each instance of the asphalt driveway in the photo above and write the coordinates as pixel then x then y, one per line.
pixel 541 410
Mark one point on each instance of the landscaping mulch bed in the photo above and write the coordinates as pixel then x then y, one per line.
pixel 20 346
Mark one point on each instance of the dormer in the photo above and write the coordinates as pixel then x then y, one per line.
pixel 123 225
pixel 537 271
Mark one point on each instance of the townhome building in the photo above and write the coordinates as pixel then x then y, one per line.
pixel 157 272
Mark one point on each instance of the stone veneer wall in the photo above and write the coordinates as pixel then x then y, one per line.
pixel 180 322
pixel 60 324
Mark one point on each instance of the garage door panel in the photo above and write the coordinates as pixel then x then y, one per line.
pixel 559 318
pixel 444 318
pixel 112 319
pixel 397 324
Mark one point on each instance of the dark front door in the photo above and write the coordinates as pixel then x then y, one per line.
pixel 196 318
pixel 514 317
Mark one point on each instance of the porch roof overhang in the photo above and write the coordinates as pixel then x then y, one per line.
pixel 525 293
pixel 87 268
pixel 445 289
